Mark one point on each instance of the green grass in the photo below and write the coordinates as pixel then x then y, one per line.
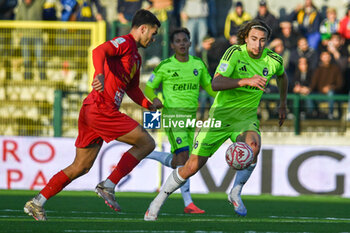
pixel 84 212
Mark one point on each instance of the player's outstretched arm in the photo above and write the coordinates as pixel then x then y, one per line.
pixel 282 83
pixel 220 82
pixel 138 97
pixel 150 94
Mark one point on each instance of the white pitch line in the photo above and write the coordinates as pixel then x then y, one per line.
pixel 311 218
pixel 203 218
pixel 126 231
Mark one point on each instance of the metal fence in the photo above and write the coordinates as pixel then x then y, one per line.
pixel 36 59
pixel 46 70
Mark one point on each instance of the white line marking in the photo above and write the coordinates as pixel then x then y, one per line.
pixel 110 231
pixel 206 217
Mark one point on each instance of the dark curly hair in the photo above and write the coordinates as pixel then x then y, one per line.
pixel 246 27
pixel 179 30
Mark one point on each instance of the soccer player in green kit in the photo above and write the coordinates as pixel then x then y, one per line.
pixel 241 77
pixel 181 76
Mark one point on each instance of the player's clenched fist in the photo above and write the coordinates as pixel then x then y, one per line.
pixel 157 103
pixel 99 82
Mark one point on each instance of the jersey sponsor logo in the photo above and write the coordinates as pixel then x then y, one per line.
pixel 223 67
pixel 151 78
pixel 243 68
pixel 265 71
pixel 185 87
pixel 116 42
pixel 170 71
pixel 243 62
pixel 195 72
pixel 175 75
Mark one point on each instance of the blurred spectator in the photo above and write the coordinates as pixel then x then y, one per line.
pixel 6 13
pixel 31 39
pixel 277 46
pixel 7 9
pixel 303 50
pixel 327 79
pixel 194 14
pixel 300 85
pixel 329 25
pixel 125 11
pixel 265 15
pixel 212 28
pixel 81 10
pixel 338 51
pixel 233 21
pixel 49 11
pixel 163 9
pixel 344 28
pixel 302 78
pixel 213 49
pixel 308 19
pixel 288 35
pixel 177 4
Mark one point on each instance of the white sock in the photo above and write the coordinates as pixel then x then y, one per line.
pixel 173 182
pixel 109 184
pixel 164 158
pixel 242 177
pixel 39 200
pixel 185 192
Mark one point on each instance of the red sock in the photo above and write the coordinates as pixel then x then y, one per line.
pixel 124 167
pixel 55 185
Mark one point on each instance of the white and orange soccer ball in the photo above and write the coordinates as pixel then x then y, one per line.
pixel 239 155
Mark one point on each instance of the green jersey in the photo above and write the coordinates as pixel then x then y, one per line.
pixel 180 82
pixel 242 102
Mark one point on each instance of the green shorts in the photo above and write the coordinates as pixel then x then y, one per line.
pixel 208 141
pixel 180 138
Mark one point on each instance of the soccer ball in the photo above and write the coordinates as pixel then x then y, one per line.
pixel 239 155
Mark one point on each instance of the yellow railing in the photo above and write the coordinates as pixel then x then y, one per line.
pixel 37 58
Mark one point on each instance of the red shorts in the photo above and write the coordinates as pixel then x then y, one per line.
pixel 97 124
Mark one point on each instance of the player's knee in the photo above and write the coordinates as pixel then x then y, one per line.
pixel 79 170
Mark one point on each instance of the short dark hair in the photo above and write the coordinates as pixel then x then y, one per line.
pixel 144 17
pixel 177 31
pixel 246 27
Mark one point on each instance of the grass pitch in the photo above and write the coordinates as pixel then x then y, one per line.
pixel 84 212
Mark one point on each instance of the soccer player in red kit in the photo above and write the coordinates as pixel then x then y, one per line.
pixel 117 69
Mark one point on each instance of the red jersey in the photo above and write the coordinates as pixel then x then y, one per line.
pixel 344 27
pixel 120 62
